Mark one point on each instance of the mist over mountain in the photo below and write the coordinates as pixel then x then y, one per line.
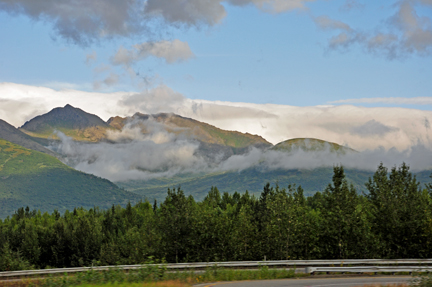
pixel 143 147
pixel 358 127
pixel 148 153
pixel 40 181
pixel 190 128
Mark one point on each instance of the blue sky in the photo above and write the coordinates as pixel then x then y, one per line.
pixel 288 55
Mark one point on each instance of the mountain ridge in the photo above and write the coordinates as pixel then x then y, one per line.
pixel 192 128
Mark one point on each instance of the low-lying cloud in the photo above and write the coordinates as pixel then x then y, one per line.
pixel 391 100
pixel 373 127
pixel 131 154
pixel 358 127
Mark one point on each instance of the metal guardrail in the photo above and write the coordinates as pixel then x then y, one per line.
pixel 246 264
pixel 369 269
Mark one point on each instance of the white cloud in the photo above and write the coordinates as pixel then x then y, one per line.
pixel 373 128
pixel 390 100
pixel 406 33
pixel 132 155
pixel 38 100
pixel 344 124
pixel 171 51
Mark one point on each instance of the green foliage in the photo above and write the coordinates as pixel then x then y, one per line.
pixel 12 260
pixel 394 220
pixel 423 280
pixel 149 273
pixel 402 212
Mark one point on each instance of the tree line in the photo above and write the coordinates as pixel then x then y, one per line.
pixel 392 220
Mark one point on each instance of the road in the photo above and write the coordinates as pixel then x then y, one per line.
pixel 316 282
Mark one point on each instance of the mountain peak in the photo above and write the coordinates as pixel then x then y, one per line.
pixel 311 145
pixel 71 121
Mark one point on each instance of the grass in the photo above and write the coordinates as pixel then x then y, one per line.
pixel 149 284
pixel 90 134
pixel 150 276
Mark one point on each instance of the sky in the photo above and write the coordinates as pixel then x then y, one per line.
pixel 354 72
pixel 290 52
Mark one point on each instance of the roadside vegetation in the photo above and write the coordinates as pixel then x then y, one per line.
pixel 149 276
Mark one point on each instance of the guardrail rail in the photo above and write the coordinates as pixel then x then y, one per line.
pixel 311 266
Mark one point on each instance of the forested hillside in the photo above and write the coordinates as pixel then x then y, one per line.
pixel 392 221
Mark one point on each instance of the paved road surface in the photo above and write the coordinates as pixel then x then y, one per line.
pixel 315 282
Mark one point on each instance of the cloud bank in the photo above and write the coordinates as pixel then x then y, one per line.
pixel 390 100
pixel 132 155
pixel 357 127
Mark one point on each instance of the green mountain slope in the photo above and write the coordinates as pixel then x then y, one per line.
pixel 71 121
pixel 253 180
pixel 191 128
pixel 10 133
pixel 34 179
pixel 310 145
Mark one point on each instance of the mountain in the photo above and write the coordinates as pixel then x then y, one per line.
pixel 310 145
pixel 12 134
pixel 252 180
pixel 191 128
pixel 71 121
pixel 40 181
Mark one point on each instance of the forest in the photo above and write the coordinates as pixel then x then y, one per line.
pixel 393 219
